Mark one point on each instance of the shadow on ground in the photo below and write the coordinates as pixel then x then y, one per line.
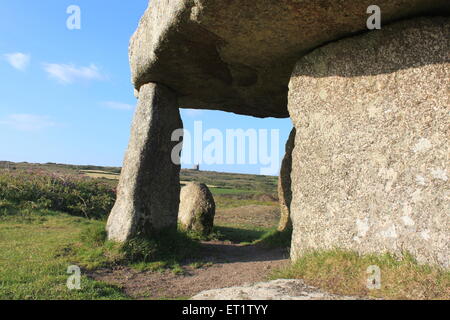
pixel 239 235
pixel 227 265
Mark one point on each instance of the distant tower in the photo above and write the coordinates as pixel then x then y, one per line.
pixel 196 167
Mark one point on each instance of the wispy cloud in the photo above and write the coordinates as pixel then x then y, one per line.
pixel 192 112
pixel 18 60
pixel 69 73
pixel 117 105
pixel 28 122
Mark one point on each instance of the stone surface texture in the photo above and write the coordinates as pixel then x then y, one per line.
pixel 371 158
pixel 282 289
pixel 284 185
pixel 197 208
pixel 149 186
pixel 238 55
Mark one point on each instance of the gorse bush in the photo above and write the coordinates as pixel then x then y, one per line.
pixel 75 195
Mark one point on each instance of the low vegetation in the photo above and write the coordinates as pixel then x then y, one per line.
pixel 275 239
pixel 37 246
pixel 232 182
pixel 76 195
pixel 346 273
pixel 51 220
pixel 168 248
pixel 34 258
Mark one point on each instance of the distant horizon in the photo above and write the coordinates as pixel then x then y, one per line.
pixel 115 167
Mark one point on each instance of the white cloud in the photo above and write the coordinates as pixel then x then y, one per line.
pixel 28 122
pixel 69 73
pixel 192 112
pixel 117 105
pixel 18 60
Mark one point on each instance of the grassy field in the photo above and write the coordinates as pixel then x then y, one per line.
pixel 33 263
pixel 52 220
pixel 37 247
pixel 46 226
pixel 229 189
pixel 253 183
pixel 97 174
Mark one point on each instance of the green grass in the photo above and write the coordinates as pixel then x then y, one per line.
pixel 38 242
pixel 251 235
pixel 236 233
pixel 343 272
pixel 224 181
pixel 32 265
pixel 241 234
pixel 222 191
pixel 275 239
pixel 224 202
pixel 37 247
pixel 165 251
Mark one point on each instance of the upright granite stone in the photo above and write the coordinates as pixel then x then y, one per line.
pixel 284 185
pixel 370 164
pixel 149 188
pixel 197 208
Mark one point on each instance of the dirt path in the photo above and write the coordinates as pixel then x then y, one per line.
pixel 232 265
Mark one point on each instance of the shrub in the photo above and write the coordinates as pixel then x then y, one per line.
pixel 76 195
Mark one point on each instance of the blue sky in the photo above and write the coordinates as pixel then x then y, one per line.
pixel 66 96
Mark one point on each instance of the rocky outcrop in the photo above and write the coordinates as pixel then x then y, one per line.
pixel 284 185
pixel 370 164
pixel 238 55
pixel 149 188
pixel 282 289
pixel 197 208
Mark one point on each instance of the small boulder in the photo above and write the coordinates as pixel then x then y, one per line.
pixel 197 208
pixel 281 289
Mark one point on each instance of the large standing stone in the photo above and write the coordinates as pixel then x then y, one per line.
pixel 370 164
pixel 284 185
pixel 149 189
pixel 197 208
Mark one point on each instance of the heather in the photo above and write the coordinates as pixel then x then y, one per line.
pixel 73 194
